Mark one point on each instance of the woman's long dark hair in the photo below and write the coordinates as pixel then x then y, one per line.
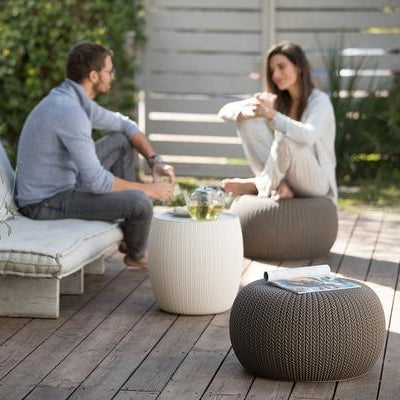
pixel 295 55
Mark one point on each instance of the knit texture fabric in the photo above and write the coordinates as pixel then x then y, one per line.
pixel 290 229
pixel 320 336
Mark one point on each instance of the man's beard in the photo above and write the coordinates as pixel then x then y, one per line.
pixel 97 89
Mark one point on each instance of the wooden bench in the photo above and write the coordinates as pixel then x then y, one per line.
pixel 41 259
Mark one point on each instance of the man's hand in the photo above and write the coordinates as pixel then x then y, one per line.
pixel 159 191
pixel 155 191
pixel 161 170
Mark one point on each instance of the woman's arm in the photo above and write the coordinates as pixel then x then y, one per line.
pixel 319 117
pixel 238 111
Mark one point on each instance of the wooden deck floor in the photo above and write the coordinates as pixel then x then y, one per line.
pixel 114 343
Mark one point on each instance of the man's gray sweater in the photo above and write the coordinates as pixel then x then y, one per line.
pixel 56 151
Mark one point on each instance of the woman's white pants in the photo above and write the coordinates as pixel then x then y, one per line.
pixel 274 157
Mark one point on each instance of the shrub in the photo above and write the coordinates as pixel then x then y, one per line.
pixel 35 37
pixel 368 128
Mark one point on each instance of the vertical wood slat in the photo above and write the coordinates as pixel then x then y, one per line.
pixel 268 15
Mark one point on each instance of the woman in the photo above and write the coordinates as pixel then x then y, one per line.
pixel 287 132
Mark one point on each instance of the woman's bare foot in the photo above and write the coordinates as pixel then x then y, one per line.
pixel 237 186
pixel 283 191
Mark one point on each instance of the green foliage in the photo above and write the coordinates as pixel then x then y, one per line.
pixel 35 37
pixel 370 193
pixel 368 128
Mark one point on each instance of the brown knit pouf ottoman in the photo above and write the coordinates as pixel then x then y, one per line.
pixel 320 336
pixel 290 229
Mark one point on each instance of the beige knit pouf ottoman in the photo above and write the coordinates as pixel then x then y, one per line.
pixel 290 229
pixel 195 266
pixel 320 336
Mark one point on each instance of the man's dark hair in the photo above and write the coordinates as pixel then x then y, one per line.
pixel 84 57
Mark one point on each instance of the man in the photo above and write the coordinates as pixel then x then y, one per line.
pixel 63 173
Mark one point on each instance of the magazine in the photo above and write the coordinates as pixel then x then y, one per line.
pixel 317 278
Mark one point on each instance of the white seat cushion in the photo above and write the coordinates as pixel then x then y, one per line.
pixel 53 248
pixel 7 178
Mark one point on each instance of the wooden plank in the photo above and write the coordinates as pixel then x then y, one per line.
pixel 335 20
pixel 247 263
pixel 231 382
pixel 183 84
pixel 106 380
pixel 323 40
pixel 208 105
pixel 98 344
pixel 266 389
pixel 136 396
pixel 362 82
pixel 366 233
pixel 223 64
pixel 205 20
pixel 199 149
pixel 20 345
pixel 360 249
pixel 311 390
pixel 237 42
pixel 256 269
pixel 361 4
pixel 382 276
pixel 191 128
pixel 268 29
pixel 211 65
pixel 212 171
pixel 390 382
pixel 10 327
pixel 218 4
pixel 54 349
pixel 347 224
pixel 158 368
pixel 174 83
pixel 48 393
pixel 29 297
pixel 382 62
pixel 194 374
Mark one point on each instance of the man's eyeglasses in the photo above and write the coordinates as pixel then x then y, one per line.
pixel 111 73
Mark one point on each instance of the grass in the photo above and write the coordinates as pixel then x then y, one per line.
pixel 371 194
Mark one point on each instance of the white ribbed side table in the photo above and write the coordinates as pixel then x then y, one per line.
pixel 195 266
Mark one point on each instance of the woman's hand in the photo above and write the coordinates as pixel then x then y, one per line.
pixel 264 105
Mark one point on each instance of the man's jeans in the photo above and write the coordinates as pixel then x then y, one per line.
pixel 131 206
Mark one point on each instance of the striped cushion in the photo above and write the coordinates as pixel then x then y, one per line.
pixel 298 228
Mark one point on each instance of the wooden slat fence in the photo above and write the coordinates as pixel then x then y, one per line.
pixel 202 54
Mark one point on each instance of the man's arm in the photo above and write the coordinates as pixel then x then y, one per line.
pixel 142 145
pixel 155 191
pixel 159 169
